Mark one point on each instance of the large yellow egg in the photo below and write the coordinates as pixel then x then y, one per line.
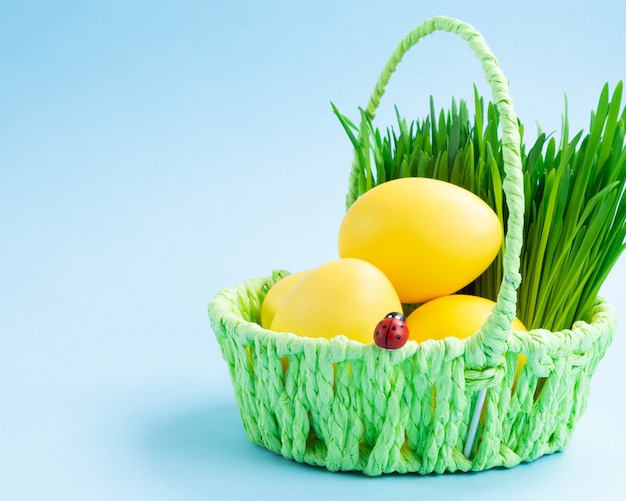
pixel 275 296
pixel 430 238
pixel 458 315
pixel 345 296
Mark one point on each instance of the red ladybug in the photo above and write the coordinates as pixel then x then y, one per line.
pixel 392 332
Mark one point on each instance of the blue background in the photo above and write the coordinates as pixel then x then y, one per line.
pixel 152 153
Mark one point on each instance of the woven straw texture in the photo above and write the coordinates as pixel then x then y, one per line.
pixel 349 406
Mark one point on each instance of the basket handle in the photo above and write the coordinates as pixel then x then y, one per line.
pixel 487 346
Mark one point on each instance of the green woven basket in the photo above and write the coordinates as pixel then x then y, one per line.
pixel 438 406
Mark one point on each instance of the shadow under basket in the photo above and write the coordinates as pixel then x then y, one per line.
pixel 347 406
pixel 450 405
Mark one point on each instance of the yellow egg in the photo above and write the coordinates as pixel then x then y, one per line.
pixel 345 296
pixel 275 296
pixel 430 238
pixel 458 315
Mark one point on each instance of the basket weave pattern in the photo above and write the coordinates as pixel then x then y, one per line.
pixel 349 406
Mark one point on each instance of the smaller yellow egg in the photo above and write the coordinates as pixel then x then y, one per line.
pixel 276 295
pixel 346 296
pixel 457 315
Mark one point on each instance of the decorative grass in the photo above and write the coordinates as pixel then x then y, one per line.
pixel 575 217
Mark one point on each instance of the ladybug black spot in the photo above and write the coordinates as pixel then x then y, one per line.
pixel 384 326
pixel 393 328
pixel 377 333
pixel 398 336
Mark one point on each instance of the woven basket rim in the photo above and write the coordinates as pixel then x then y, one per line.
pixel 580 336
